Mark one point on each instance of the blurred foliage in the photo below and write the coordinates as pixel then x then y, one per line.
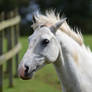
pixel 7 5
pixel 77 7
pixel 78 12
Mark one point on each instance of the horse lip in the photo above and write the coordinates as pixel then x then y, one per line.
pixel 27 76
pixel 30 74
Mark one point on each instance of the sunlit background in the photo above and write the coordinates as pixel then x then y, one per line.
pixel 78 13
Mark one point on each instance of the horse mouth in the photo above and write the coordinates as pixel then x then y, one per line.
pixel 28 76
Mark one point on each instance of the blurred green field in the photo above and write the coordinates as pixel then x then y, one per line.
pixel 45 80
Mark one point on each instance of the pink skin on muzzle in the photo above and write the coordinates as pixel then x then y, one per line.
pixel 21 72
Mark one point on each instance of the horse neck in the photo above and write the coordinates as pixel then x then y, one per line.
pixel 67 69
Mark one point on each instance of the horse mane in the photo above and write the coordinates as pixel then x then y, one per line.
pixel 51 18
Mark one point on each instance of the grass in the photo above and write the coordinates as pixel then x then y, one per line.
pixel 88 40
pixel 45 80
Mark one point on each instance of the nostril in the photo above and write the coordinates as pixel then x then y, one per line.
pixel 26 69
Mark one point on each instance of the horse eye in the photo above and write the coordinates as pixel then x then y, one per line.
pixel 42 25
pixel 45 42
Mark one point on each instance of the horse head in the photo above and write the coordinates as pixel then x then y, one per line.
pixel 43 49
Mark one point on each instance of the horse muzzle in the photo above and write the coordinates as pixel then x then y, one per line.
pixel 25 73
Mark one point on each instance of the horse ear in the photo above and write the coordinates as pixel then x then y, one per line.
pixel 56 26
pixel 33 19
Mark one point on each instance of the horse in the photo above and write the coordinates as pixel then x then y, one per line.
pixel 54 42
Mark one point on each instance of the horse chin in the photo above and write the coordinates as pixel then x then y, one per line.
pixel 25 78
